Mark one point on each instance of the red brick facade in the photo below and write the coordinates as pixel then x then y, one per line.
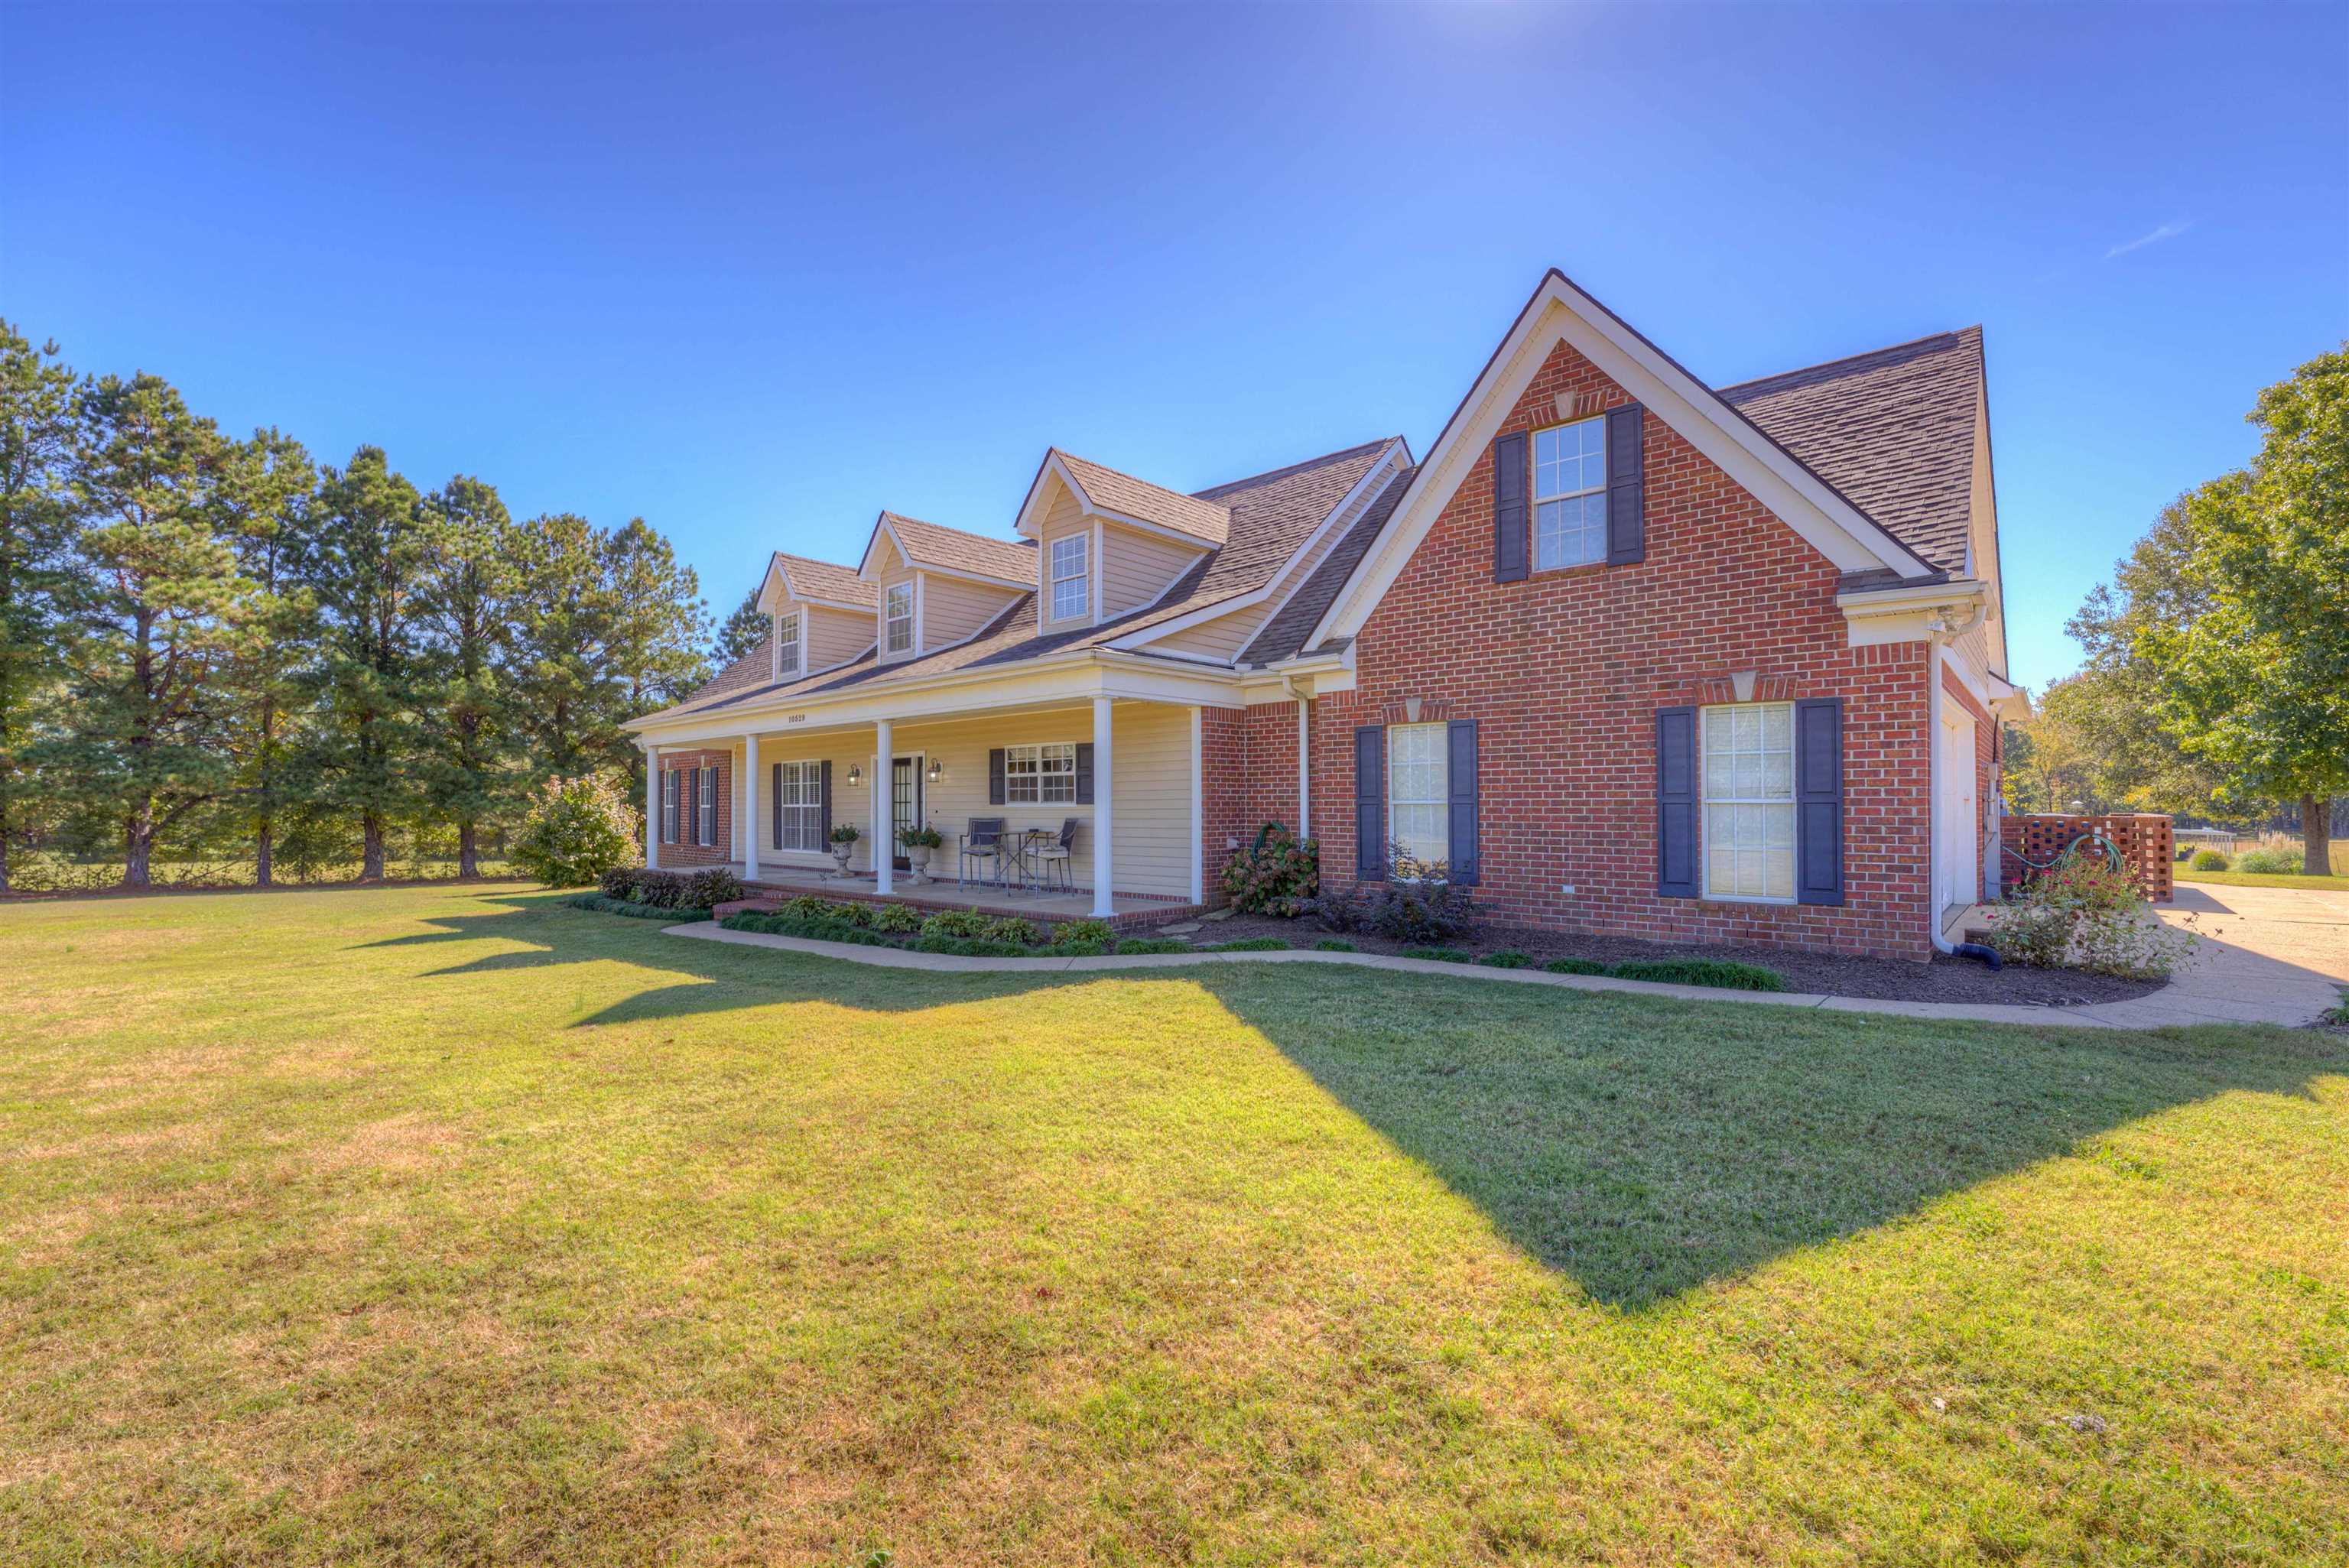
pixel 720 849
pixel 1565 671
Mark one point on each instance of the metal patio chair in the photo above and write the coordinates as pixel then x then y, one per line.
pixel 981 845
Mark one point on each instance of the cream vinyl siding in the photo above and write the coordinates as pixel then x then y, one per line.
pixel 1062 520
pixel 1150 777
pixel 953 609
pixel 836 636
pixel 1136 568
pixel 1222 638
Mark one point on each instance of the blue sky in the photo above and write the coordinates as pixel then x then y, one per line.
pixel 756 272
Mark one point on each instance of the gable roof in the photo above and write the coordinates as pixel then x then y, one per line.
pixel 1109 492
pixel 813 579
pixel 1892 429
pixel 1284 634
pixel 955 550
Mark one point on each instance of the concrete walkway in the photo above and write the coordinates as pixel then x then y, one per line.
pixel 2261 972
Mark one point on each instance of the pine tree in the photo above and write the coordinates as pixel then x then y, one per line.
pixel 659 626
pixel 366 557
pixel 465 601
pixel 37 440
pixel 267 496
pixel 157 616
pixel 740 633
pixel 567 683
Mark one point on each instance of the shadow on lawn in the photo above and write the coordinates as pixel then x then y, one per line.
pixel 1641 1147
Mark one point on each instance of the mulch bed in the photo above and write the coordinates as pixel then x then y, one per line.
pixel 1887 979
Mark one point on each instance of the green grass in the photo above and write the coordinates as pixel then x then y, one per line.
pixel 2336 883
pixel 429 1225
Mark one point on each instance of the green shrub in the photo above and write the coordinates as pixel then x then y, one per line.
pixel 1507 958
pixel 2269 862
pixel 1715 971
pixel 779 924
pixel 575 829
pixel 2081 913
pixel 1417 903
pixel 1011 928
pixel 630 907
pixel 899 918
pixel 964 923
pixel 1440 955
pixel 854 914
pixel 1575 966
pixel 1084 930
pixel 2210 861
pixel 1334 944
pixel 807 906
pixel 965 946
pixel 1274 875
pixel 697 889
pixel 1077 947
pixel 1249 944
pixel 1154 944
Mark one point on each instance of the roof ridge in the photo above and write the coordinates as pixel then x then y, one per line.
pixel 1953 333
pixel 1137 479
pixel 1270 474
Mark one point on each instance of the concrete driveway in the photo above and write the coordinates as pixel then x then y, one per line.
pixel 2270 956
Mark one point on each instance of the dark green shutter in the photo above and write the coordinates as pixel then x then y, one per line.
pixel 1084 773
pixel 1676 802
pixel 1627 489
pixel 1512 557
pixel 1460 773
pixel 1818 801
pixel 995 777
pixel 1370 802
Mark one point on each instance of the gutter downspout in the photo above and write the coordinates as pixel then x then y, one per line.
pixel 1304 757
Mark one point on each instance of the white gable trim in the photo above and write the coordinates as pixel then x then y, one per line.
pixel 1374 480
pixel 1032 511
pixel 1558 310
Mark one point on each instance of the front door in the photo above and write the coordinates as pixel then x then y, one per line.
pixel 905 802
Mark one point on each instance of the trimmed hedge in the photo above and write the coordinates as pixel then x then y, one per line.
pixel 1714 972
pixel 600 905
pixel 670 890
pixel 1154 944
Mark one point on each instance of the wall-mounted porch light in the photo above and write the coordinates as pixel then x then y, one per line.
pixel 937 769
pixel 855 774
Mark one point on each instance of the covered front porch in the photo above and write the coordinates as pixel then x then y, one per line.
pixel 1102 793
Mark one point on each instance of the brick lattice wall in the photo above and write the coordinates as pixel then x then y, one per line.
pixel 1563 673
pixel 2146 844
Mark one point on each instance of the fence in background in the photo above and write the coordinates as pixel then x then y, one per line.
pixel 2142 840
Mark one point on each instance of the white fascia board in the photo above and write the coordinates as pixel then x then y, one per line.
pixel 772 600
pixel 1368 484
pixel 1030 520
pixel 880 529
pixel 1561 312
pixel 1965 591
pixel 1093 674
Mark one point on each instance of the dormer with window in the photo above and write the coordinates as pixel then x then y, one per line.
pixel 1109 543
pixel 939 586
pixel 821 615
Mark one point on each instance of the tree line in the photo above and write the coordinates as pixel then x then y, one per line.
pixel 2216 682
pixel 218 645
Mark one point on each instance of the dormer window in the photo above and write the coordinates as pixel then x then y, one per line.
pixel 1570 495
pixel 1072 584
pixel 898 618
pixel 787 643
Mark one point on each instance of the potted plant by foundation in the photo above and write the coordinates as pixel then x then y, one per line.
pixel 843 844
pixel 919 841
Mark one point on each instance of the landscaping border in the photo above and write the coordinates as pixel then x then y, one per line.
pixel 2127 1015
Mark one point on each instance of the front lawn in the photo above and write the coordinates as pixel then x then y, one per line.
pixel 2336 883
pixel 431 1226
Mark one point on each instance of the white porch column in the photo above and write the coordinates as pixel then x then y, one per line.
pixel 652 808
pixel 750 808
pixel 1198 806
pixel 1102 792
pixel 884 872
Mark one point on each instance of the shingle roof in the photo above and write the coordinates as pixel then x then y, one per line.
pixel 1284 633
pixel 932 544
pixel 1893 429
pixel 1201 518
pixel 822 580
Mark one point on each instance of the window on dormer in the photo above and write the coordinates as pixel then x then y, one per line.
pixel 897 617
pixel 787 644
pixel 1071 582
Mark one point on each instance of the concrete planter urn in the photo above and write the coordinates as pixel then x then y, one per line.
pixel 918 857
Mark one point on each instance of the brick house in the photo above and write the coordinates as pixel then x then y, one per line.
pixel 1626 652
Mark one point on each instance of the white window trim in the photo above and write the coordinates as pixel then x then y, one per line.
pixel 1083 574
pixel 1443 800
pixel 705 815
pixel 796 642
pixel 1036 753
pixel 1535 499
pixel 806 781
pixel 668 787
pixel 1705 801
pixel 912 617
